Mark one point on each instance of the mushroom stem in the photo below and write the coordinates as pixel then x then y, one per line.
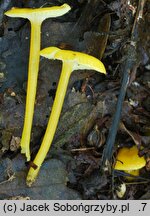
pixel 52 123
pixel 36 16
pixel 31 86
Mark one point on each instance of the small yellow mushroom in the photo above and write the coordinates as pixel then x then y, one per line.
pixel 36 17
pixel 129 161
pixel 71 61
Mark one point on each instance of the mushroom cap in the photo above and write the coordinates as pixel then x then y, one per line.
pixel 38 13
pixel 79 61
pixel 128 159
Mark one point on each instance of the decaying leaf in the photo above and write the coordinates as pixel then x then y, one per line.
pixel 135 137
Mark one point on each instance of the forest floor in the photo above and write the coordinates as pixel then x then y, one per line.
pixel 117 33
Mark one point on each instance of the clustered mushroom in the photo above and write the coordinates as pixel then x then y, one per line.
pixel 36 16
pixel 127 159
pixel 71 61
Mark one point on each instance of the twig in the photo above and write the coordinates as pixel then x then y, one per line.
pixel 11 178
pixel 82 149
pixel 127 67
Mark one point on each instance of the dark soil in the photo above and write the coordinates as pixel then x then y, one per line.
pixel 72 169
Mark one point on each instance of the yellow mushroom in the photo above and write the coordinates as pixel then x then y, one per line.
pixel 70 61
pixel 36 17
pixel 129 161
